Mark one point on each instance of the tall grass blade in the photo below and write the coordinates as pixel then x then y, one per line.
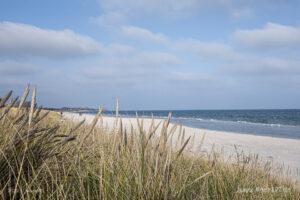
pixel 24 96
pixel 32 105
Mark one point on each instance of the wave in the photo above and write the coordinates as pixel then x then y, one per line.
pixel 236 121
pixel 212 120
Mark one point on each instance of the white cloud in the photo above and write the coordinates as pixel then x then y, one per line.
pixel 182 8
pixel 206 50
pixel 228 60
pixel 26 40
pixel 270 36
pixel 165 7
pixel 267 66
pixel 189 78
pixel 159 58
pixel 140 60
pixel 143 34
pixel 116 49
pixel 110 19
pixel 137 67
pixel 242 13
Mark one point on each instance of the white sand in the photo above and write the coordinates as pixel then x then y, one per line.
pixel 281 151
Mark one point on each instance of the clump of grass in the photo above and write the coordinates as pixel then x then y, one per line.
pixel 25 144
pixel 38 161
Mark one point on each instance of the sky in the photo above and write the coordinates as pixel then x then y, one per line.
pixel 153 54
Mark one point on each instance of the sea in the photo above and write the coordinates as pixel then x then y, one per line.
pixel 283 123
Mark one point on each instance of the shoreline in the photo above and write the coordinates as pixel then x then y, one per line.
pixel 281 152
pixel 275 129
pixel 176 120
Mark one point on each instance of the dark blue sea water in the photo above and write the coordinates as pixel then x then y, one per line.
pixel 275 123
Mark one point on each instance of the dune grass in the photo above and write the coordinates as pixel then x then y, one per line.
pixel 44 156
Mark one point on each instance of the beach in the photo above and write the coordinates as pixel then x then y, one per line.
pixel 283 153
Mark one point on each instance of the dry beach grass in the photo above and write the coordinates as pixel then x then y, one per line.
pixel 44 156
pixel 281 153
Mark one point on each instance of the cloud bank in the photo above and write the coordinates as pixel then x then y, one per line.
pixel 143 34
pixel 22 40
pixel 272 35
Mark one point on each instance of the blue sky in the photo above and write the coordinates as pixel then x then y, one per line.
pixel 171 54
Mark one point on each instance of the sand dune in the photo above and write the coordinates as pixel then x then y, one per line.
pixel 281 151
